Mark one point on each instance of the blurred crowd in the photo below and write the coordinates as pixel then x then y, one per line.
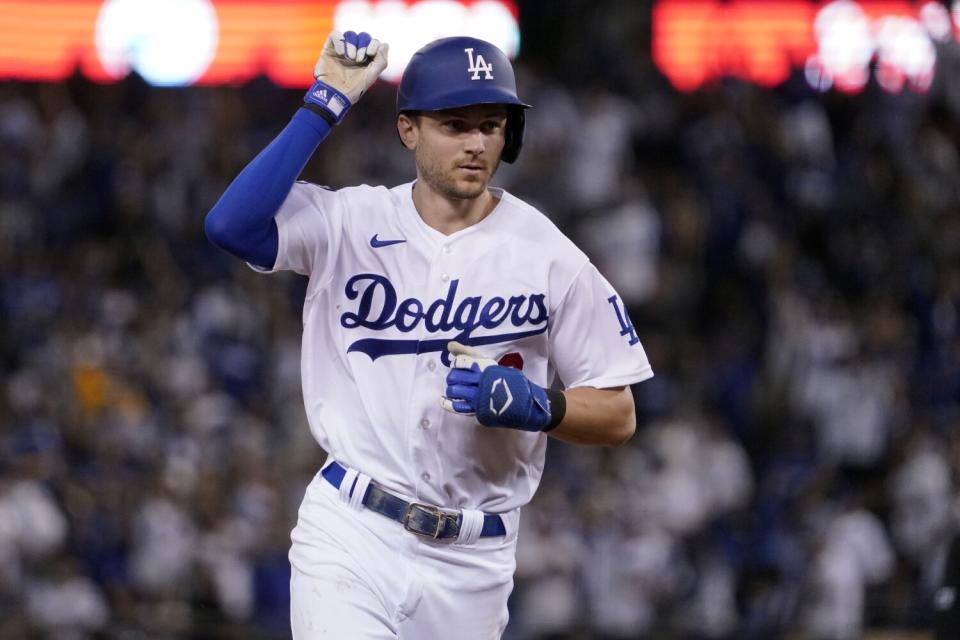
pixel 791 261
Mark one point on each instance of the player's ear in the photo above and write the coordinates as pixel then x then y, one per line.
pixel 409 130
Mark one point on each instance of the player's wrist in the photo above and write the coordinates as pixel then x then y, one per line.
pixel 558 408
pixel 507 398
pixel 326 101
pixel 316 118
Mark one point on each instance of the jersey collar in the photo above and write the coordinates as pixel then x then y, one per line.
pixel 436 237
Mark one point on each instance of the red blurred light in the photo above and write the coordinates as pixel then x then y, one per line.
pixel 47 40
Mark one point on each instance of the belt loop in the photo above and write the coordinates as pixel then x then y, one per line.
pixel 471 524
pixel 346 486
pixel 359 490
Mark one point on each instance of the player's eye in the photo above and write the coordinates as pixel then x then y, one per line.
pixel 491 126
pixel 455 125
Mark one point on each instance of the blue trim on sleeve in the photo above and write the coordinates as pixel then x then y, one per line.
pixel 242 222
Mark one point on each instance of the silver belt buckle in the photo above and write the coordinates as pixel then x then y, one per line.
pixel 425 508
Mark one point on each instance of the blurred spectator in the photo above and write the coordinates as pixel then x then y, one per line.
pixel 65 605
pixel 854 553
pixel 921 496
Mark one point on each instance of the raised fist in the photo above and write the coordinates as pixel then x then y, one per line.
pixel 349 64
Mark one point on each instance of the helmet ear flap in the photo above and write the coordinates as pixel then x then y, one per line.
pixel 513 135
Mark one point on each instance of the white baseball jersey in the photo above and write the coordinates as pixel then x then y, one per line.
pixel 387 293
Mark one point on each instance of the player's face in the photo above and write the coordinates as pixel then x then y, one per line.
pixel 458 150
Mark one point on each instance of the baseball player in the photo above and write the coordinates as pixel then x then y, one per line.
pixel 441 319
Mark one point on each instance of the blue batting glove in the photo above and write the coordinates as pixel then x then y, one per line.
pixel 497 396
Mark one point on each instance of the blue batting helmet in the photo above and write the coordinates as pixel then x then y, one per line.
pixel 459 72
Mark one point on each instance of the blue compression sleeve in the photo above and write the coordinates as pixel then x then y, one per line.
pixel 242 221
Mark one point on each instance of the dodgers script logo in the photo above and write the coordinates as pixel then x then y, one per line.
pixel 378 308
pixel 477 65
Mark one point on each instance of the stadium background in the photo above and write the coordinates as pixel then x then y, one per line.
pixel 787 239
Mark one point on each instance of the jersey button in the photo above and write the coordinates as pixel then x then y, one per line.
pixel 446 248
pixel 424 423
pixel 444 277
pixel 425 475
pixel 431 365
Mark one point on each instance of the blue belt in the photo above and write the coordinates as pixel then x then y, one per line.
pixel 421 519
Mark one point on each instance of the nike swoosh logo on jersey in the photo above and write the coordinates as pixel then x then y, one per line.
pixel 376 243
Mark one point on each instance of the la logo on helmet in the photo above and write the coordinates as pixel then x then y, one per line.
pixel 477 65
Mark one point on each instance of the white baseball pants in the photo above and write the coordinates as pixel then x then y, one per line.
pixel 360 575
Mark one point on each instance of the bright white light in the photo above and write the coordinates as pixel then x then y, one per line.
pixel 435 18
pixel 845 44
pixel 168 42
pixel 847 40
pixel 407 27
pixel 493 22
pixel 936 20
pixel 903 44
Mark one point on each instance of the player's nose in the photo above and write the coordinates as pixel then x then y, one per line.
pixel 475 142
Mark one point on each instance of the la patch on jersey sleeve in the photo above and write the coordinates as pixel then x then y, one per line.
pixel 593 342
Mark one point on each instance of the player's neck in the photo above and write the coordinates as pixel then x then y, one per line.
pixel 449 215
